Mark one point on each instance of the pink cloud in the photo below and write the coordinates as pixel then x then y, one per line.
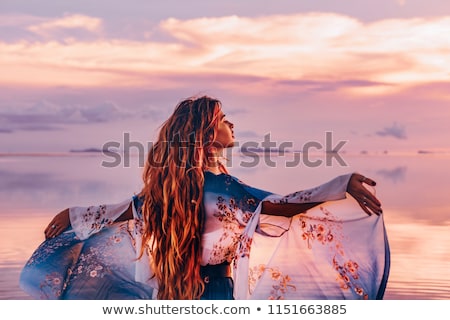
pixel 75 21
pixel 389 54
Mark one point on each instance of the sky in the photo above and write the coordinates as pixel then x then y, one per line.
pixel 79 74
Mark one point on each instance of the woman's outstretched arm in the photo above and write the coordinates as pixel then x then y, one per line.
pixel 355 187
pixel 286 209
pixel 61 222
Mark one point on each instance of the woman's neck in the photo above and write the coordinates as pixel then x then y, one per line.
pixel 213 164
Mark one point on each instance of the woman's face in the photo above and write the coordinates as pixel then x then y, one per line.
pixel 224 132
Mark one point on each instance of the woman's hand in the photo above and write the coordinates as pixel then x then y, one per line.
pixel 366 199
pixel 58 224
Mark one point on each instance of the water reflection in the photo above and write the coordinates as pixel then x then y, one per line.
pixel 396 175
pixel 414 191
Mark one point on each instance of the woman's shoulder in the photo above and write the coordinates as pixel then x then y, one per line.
pixel 232 182
pixel 223 177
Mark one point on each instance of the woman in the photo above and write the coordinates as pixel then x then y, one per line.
pixel 195 232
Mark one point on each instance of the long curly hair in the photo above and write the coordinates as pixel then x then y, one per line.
pixel 173 210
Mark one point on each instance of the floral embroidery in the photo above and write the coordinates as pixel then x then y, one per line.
pixel 52 281
pixel 226 245
pixel 325 232
pixel 88 265
pixel 318 232
pixel 233 216
pixel 282 283
pixel 96 214
pixel 302 196
pixel 347 276
pixel 244 247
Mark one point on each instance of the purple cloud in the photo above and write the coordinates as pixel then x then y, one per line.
pixel 396 131
pixel 47 116
pixel 396 174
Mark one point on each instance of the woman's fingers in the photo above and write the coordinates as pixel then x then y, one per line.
pixel 373 206
pixel 368 201
pixel 58 224
pixel 365 198
pixel 52 230
pixel 369 196
pixel 368 181
pixel 365 209
pixel 49 228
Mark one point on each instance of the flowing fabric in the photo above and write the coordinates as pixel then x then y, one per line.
pixel 333 251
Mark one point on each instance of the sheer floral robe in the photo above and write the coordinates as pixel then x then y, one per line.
pixel 333 251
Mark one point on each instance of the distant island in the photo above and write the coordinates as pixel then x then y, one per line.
pixel 424 152
pixel 252 149
pixel 92 150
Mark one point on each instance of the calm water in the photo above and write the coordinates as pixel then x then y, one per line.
pixel 414 190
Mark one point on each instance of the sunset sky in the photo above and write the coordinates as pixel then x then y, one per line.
pixel 76 74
